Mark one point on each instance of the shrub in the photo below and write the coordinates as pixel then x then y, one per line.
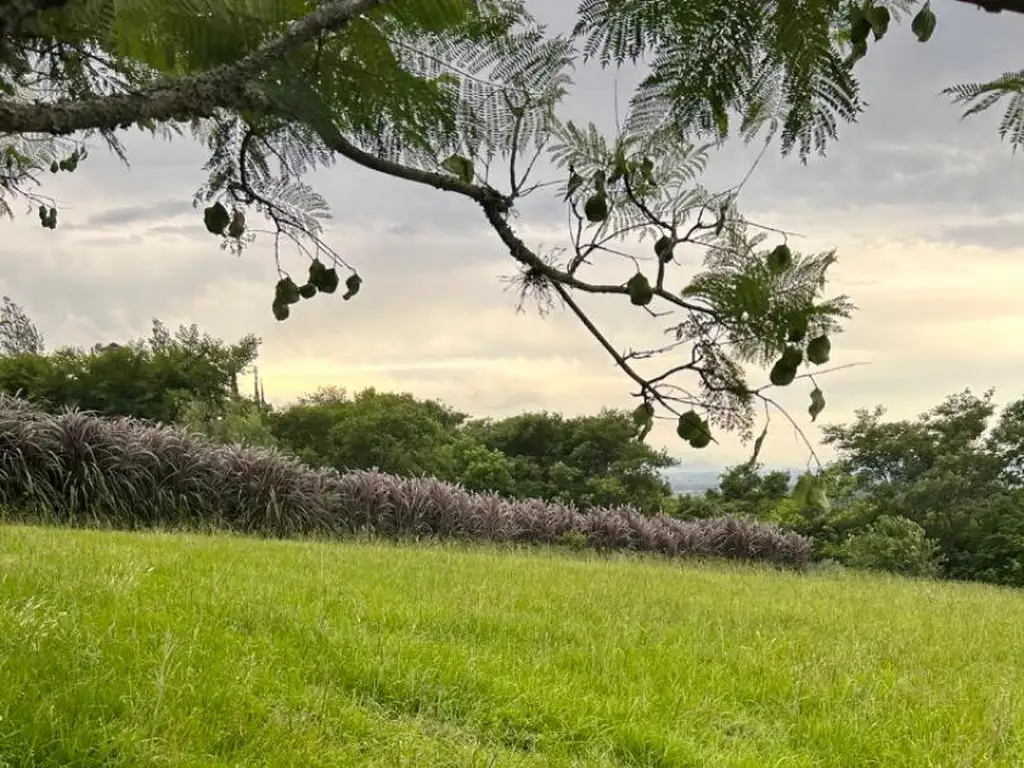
pixel 893 544
pixel 83 469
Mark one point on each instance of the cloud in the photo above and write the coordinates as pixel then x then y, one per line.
pixel 1001 234
pixel 923 209
pixel 130 214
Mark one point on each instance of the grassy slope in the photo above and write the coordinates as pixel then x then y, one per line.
pixel 140 650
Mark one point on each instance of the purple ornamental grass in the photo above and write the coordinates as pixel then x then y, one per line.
pixel 77 468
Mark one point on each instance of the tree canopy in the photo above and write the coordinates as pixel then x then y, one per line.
pixel 456 95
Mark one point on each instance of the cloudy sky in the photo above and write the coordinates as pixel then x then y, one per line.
pixel 927 213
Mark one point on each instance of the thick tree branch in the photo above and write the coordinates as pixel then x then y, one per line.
pixel 996 6
pixel 336 142
pixel 229 86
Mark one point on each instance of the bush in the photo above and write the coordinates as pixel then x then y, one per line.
pixel 77 468
pixel 893 544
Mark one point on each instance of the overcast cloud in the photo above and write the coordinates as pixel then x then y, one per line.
pixel 925 211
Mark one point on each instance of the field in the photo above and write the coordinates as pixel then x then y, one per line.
pixel 122 649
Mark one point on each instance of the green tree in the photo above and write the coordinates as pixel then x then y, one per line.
pixel 942 472
pixel 589 460
pixel 148 379
pixel 449 93
pixel 441 93
pixel 755 491
pixel 1006 442
pixel 476 467
pixel 395 433
pixel 237 420
pixel 893 544
pixel 744 490
pixel 18 334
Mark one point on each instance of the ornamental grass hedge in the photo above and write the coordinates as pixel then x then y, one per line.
pixel 81 469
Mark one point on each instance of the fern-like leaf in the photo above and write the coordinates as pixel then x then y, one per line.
pixel 980 97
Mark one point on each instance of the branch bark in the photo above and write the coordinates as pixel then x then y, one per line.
pixel 229 86
pixel 997 6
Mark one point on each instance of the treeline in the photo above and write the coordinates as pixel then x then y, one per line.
pixel 942 495
pixel 191 379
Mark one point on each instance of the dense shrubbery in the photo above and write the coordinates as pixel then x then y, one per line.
pixel 152 378
pixel 892 544
pixel 940 495
pixel 76 468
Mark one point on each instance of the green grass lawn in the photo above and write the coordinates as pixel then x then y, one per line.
pixel 160 650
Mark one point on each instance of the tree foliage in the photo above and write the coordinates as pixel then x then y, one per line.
pixel 438 93
pixel 456 94
pixel 18 334
pixel 155 378
pixel 590 461
pixel 893 544
pixel 950 471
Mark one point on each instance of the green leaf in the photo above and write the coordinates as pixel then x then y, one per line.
pixel 461 167
pixel 639 289
pixel 352 285
pixel 817 403
pixel 879 17
pixel 643 414
pixel 923 25
pixel 216 218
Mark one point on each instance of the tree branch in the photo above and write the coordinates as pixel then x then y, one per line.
pixel 996 6
pixel 495 205
pixel 228 86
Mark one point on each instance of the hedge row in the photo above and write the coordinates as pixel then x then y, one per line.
pixel 76 468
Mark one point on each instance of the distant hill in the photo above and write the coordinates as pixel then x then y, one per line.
pixel 694 481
